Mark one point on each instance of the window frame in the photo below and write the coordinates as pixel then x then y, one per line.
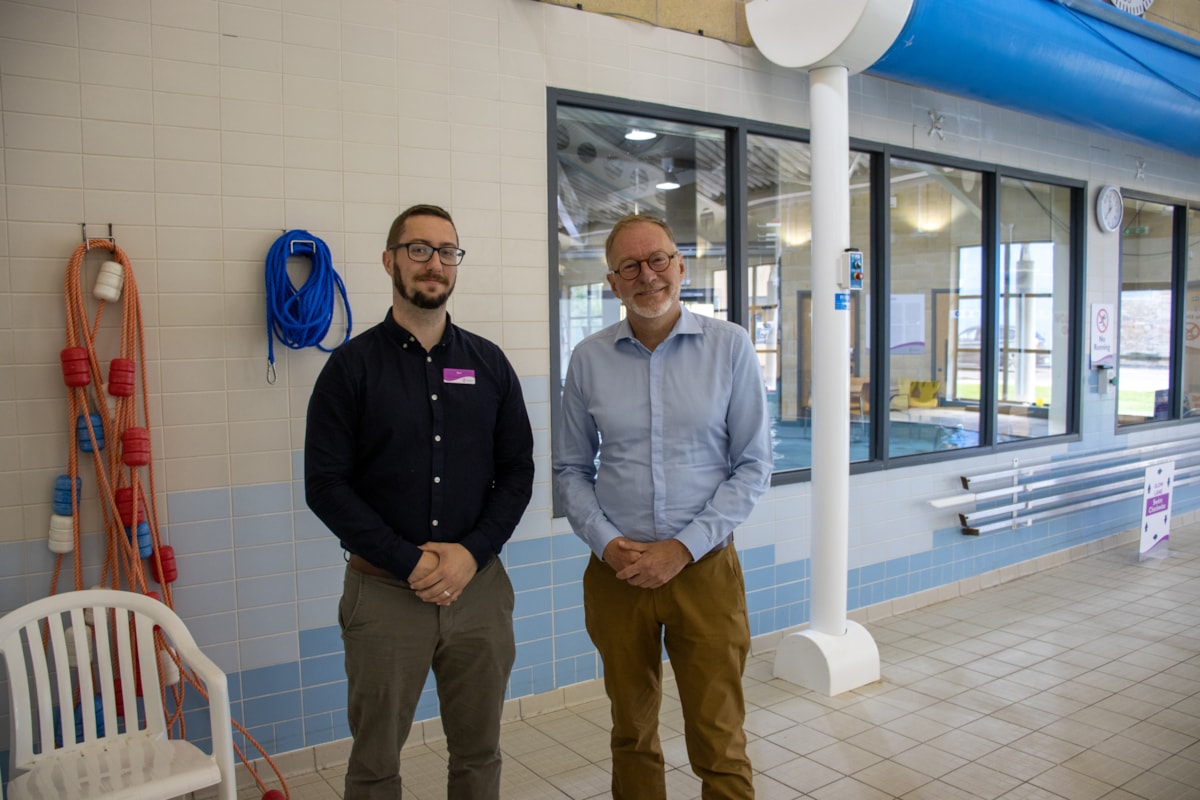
pixel 1187 210
pixel 1177 334
pixel 991 175
pixel 737 132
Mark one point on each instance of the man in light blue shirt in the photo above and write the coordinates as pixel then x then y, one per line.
pixel 674 405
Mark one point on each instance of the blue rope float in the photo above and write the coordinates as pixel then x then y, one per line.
pixel 301 317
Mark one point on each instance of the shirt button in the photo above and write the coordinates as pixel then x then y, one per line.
pixel 428 360
pixel 433 397
pixel 437 437
pixel 437 479
pixel 435 522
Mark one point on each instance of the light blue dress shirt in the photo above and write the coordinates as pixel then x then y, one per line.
pixel 682 435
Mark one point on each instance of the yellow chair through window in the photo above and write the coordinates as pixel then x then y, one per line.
pixel 924 394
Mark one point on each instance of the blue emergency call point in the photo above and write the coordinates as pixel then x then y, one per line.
pixel 852 269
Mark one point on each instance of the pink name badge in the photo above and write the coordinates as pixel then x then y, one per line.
pixel 466 376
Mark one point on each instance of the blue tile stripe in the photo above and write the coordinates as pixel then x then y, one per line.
pixel 300 702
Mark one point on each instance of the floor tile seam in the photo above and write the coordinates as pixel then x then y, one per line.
pixel 1104 713
pixel 1190 730
pixel 1030 731
pixel 908 707
pixel 1191 696
pixel 1160 776
pixel 898 766
pixel 1154 641
pixel 1110 786
pixel 1027 781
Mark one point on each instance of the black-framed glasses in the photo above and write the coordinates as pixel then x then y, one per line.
pixel 421 252
pixel 658 261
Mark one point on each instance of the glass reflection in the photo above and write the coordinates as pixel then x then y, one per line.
pixel 1031 342
pixel 610 165
pixel 935 308
pixel 1191 326
pixel 1144 346
pixel 779 217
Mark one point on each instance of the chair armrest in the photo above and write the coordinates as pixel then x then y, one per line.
pixel 216 685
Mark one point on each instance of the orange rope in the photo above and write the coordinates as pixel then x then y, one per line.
pixel 123 563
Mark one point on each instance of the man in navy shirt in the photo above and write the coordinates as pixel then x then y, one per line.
pixel 418 455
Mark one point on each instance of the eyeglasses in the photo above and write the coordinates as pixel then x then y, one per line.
pixel 421 252
pixel 657 261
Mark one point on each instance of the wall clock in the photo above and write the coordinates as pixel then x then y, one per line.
pixel 1138 7
pixel 1110 208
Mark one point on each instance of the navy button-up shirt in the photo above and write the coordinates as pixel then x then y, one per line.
pixel 404 446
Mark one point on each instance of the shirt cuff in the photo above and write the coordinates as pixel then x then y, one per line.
pixel 697 543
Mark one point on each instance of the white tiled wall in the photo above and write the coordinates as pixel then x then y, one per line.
pixel 201 129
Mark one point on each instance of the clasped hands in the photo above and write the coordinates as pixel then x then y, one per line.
pixel 647 565
pixel 443 572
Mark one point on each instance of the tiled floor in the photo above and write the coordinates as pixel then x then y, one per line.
pixel 1079 682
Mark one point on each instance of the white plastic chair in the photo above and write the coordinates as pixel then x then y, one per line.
pixel 112 749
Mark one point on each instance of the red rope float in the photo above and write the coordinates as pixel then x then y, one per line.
pixel 122 463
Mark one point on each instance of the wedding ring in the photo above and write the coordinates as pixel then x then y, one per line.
pixel 446 592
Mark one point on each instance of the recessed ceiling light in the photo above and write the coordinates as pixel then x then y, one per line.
pixel 669 180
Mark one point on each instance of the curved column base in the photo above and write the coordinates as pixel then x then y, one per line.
pixel 828 664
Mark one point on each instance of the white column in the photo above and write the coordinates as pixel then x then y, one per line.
pixel 830 40
pixel 835 654
pixel 828 95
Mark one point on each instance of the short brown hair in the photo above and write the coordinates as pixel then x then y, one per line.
pixel 633 219
pixel 419 210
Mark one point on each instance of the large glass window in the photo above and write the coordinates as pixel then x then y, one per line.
pixel 610 165
pixel 1191 322
pixel 935 308
pixel 779 226
pixel 1144 346
pixel 1033 328
pixel 974 323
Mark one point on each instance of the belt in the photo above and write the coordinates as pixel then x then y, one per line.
pixel 360 564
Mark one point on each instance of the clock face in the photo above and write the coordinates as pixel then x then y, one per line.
pixel 1137 7
pixel 1110 208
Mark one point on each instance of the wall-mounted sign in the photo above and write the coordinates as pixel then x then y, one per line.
pixel 1191 321
pixel 1137 7
pixel 1104 336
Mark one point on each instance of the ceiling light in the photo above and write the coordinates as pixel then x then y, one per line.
pixel 668 182
pixel 639 135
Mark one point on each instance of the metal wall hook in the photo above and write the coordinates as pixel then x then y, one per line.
pixel 86 244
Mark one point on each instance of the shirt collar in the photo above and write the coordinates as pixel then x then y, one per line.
pixel 686 324
pixel 402 334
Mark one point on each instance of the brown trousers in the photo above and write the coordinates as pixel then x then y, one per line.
pixel 700 615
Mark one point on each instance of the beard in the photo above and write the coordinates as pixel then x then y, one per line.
pixel 652 307
pixel 421 299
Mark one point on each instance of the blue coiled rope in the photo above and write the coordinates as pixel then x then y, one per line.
pixel 301 317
